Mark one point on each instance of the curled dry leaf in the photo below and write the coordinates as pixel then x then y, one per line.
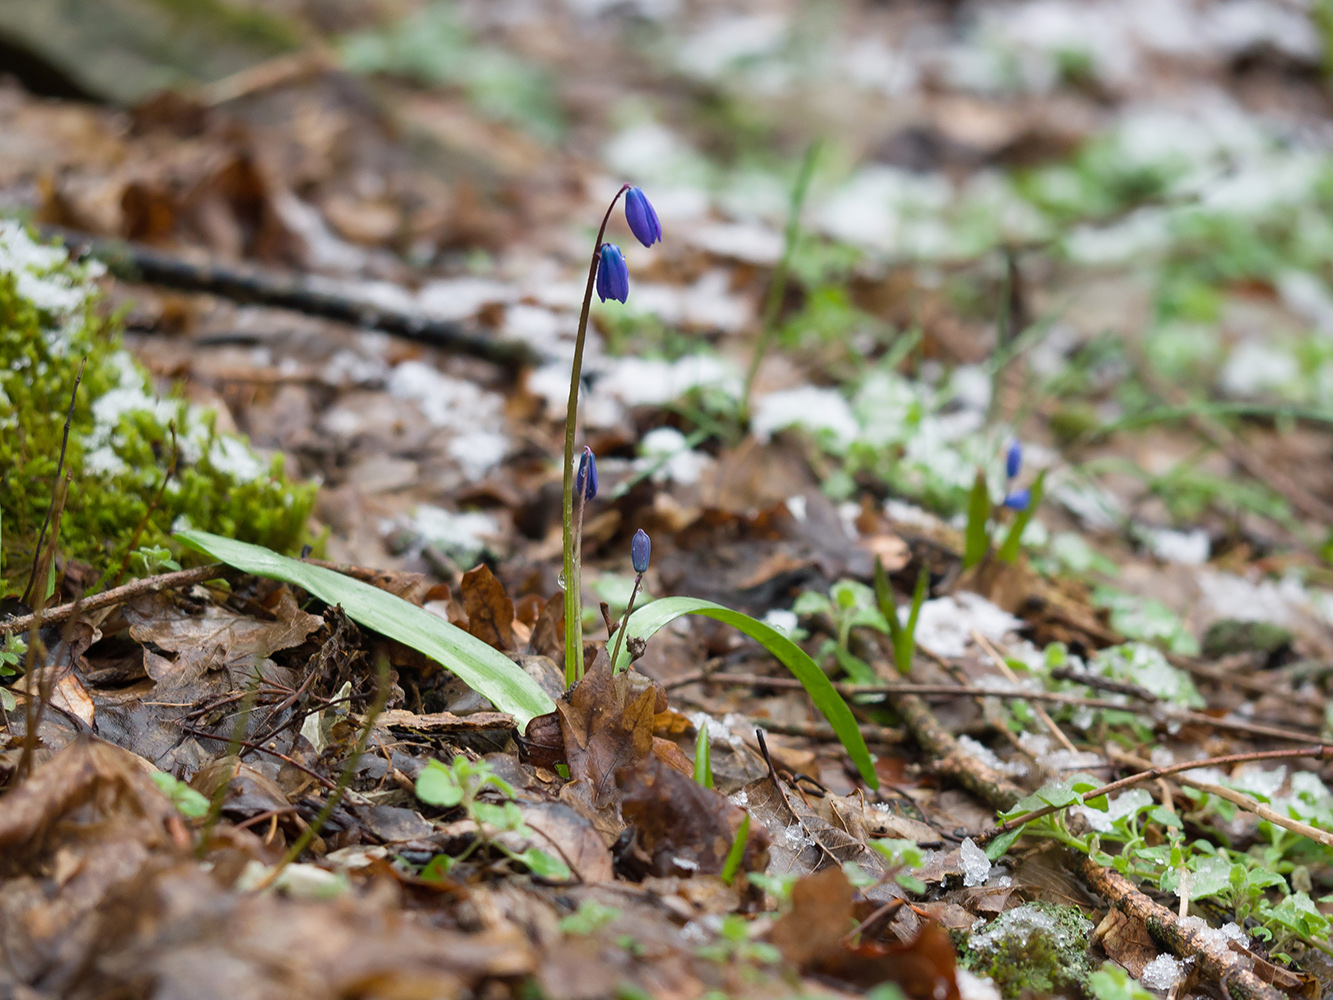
pixel 812 935
pixel 682 827
pixel 606 722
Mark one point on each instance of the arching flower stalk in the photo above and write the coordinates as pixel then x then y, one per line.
pixel 609 276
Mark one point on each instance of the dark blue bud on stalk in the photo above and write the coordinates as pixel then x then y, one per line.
pixel 585 482
pixel 1018 499
pixel 642 218
pixel 1013 460
pixel 612 274
pixel 640 551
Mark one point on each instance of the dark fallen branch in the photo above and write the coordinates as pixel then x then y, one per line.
pixel 1217 962
pixel 313 296
pixel 119 595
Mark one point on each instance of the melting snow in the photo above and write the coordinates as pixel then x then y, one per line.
pixel 1117 809
pixel 976 866
pixel 946 623
pixel 1162 973
pixel 463 535
pixel 815 409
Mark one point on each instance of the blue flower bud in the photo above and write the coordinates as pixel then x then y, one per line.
pixel 586 480
pixel 1018 499
pixel 1013 460
pixel 640 550
pixel 612 274
pixel 641 217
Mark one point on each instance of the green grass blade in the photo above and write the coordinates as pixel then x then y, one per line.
pixel 978 512
pixel 903 650
pixel 486 670
pixel 1009 550
pixel 703 761
pixel 646 621
pixel 888 603
pixel 734 856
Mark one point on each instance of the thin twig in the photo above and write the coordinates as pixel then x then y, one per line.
pixel 309 834
pixel 1152 774
pixel 1231 795
pixel 1003 668
pixel 55 484
pixel 950 690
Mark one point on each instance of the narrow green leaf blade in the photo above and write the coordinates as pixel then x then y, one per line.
pixel 1009 550
pixel 646 621
pixel 978 512
pixel 734 856
pixel 486 670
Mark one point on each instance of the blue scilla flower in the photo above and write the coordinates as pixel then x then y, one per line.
pixel 1013 460
pixel 612 274
pixel 640 551
pixel 642 218
pixel 586 481
pixel 1018 499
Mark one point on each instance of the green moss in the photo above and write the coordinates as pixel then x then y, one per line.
pixel 1037 949
pixel 121 438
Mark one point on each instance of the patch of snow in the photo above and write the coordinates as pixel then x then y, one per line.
pixel 946 624
pixel 729 39
pixel 988 757
pixel 461 298
pixel 652 382
pixel 473 415
pixel 976 866
pixel 1306 295
pixel 1162 973
pixel 974 987
pixel 1256 367
pixel 1188 548
pixel 782 620
pixel 1125 804
pixel 902 512
pixel 819 410
pixel 1143 231
pixel 39 275
pixel 1225 595
pixel 1263 782
pixel 749 242
pixel 462 535
pixel 665 450
pixel 234 457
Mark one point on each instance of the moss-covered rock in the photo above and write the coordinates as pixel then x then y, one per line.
pixel 121 439
pixel 1037 949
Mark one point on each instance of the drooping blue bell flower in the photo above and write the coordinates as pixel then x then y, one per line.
pixel 640 551
pixel 1018 499
pixel 1013 460
pixel 642 218
pixel 612 274
pixel 585 482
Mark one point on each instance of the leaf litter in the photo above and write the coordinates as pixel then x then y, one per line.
pixel 1041 167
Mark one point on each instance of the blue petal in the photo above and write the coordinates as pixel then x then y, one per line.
pixel 642 218
pixel 1013 461
pixel 1018 499
pixel 586 481
pixel 612 274
pixel 640 551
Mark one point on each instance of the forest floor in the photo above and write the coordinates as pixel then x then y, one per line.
pixel 359 234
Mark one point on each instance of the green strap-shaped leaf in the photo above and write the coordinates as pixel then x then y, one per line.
pixel 484 669
pixel 645 622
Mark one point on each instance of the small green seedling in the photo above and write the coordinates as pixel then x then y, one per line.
pixel 733 863
pixel 903 636
pixel 460 783
pixel 186 800
pixel 703 762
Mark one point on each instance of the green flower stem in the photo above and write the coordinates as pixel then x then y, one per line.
pixel 573 593
pixel 620 632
